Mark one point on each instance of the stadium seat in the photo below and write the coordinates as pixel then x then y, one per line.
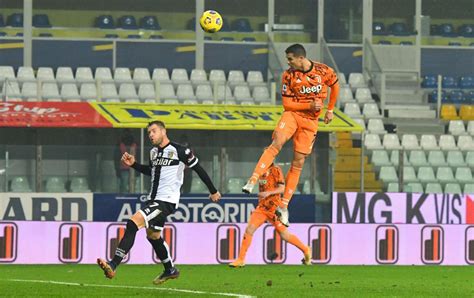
pixel 388 174
pixel 146 92
pixel 141 76
pixel 378 28
pixel 6 72
pixel 446 143
pixel 122 75
pixel 166 91
pixel 372 142
pixel 454 43
pixel 162 75
pixel 410 142
pixel 395 158
pixel 466 82
pixel 45 34
pixel 109 91
pixel 156 36
pixel 356 80
pixel 447 30
pixel 448 82
pixel 11 91
pixel 417 158
pixel 234 185
pixel 2 22
pixel 217 76
pixel 104 74
pixel 25 74
pixel 55 184
pixel 380 158
pixel 456 96
pixel 456 127
pixel 79 184
pixel 111 35
pixel 455 159
pixel 433 188
pixel 392 187
pixel 127 22
pixel 391 141
pixel 29 90
pixel 428 142
pixel 371 110
pixel 69 91
pixel 413 187
pixel 433 97
pixel 363 95
pixel 105 22
pixel 465 143
pixel 127 91
pixel 88 92
pixel 470 127
pixel 436 158
pixel 45 74
pixel 149 23
pixel 406 43
pixel 41 21
pixel 352 110
pixel 19 34
pixel 20 184
pixel 452 188
pixel 409 174
pixel 134 36
pixel 50 91
pixel 445 175
pixel 429 81
pixel 224 93
pixel 464 175
pixel 204 93
pixel 361 122
pixel 385 42
pixel 470 96
pixel 255 78
pixel 197 186
pixel 426 175
pixel 198 77
pixel 399 29
pixel 84 75
pixel 375 126
pixel 249 39
pixel 466 30
pixel 242 95
pixel 227 39
pixel 345 95
pixel 241 25
pixel 469 188
pixel 448 112
pixel 179 76
pixel 261 95
pixel 185 92
pixel 15 20
pixel 236 77
pixel 64 75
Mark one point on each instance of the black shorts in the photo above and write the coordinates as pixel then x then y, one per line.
pixel 155 213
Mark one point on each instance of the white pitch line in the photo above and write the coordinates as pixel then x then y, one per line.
pixel 129 287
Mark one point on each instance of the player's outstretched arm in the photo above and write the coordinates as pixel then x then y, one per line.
pixel 279 190
pixel 130 161
pixel 332 103
pixel 215 195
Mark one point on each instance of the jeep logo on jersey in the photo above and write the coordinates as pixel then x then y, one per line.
pixel 228 243
pixel 8 242
pixel 470 245
pixel 432 244
pixel 313 89
pixel 386 244
pixel 319 240
pixel 169 236
pixel 70 243
pixel 274 247
pixel 115 233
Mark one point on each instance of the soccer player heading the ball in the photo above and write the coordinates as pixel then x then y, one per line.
pixel 304 87
pixel 167 163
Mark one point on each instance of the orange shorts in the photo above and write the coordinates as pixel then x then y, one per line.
pixel 259 216
pixel 303 130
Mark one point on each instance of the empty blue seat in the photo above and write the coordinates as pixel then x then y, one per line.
pixel 448 82
pixel 249 39
pixel 456 96
pixel 149 23
pixel 470 97
pixel 241 25
pixel 45 34
pixel 105 22
pixel 2 22
pixel 385 42
pixel 15 20
pixel 41 21
pixel 454 43
pixel 227 39
pixel 111 35
pixel 3 33
pixel 466 30
pixel 466 82
pixel 429 81
pixel 225 25
pixel 447 30
pixel 399 29
pixel 406 43
pixel 434 96
pixel 19 34
pixel 127 22
pixel 471 44
pixel 378 28
pixel 134 36
pixel 154 36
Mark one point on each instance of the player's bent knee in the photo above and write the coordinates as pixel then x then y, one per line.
pixel 152 234
pixel 138 219
pixel 285 235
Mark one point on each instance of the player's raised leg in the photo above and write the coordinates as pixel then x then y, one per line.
pixel 133 225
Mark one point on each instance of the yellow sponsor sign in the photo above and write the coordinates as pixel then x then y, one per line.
pixel 212 117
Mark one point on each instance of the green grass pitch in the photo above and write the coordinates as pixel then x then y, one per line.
pixel 258 281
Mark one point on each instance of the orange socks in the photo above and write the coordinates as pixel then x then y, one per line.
pixel 264 163
pixel 246 241
pixel 292 179
pixel 297 242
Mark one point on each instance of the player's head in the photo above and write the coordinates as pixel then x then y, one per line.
pixel 156 132
pixel 296 55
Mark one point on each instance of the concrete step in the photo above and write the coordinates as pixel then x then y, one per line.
pixel 412 114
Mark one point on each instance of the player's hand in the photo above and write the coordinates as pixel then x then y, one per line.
pixel 215 197
pixel 263 194
pixel 128 159
pixel 328 117
pixel 315 106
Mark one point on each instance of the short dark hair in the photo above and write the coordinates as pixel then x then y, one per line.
pixel 156 122
pixel 296 49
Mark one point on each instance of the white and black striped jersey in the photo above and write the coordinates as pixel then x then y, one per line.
pixel 166 169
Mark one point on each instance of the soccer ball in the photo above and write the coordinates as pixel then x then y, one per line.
pixel 211 21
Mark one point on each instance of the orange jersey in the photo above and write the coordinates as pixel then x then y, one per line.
pixel 270 181
pixel 304 87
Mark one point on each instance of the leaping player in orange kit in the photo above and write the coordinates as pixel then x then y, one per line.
pixel 271 186
pixel 304 88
